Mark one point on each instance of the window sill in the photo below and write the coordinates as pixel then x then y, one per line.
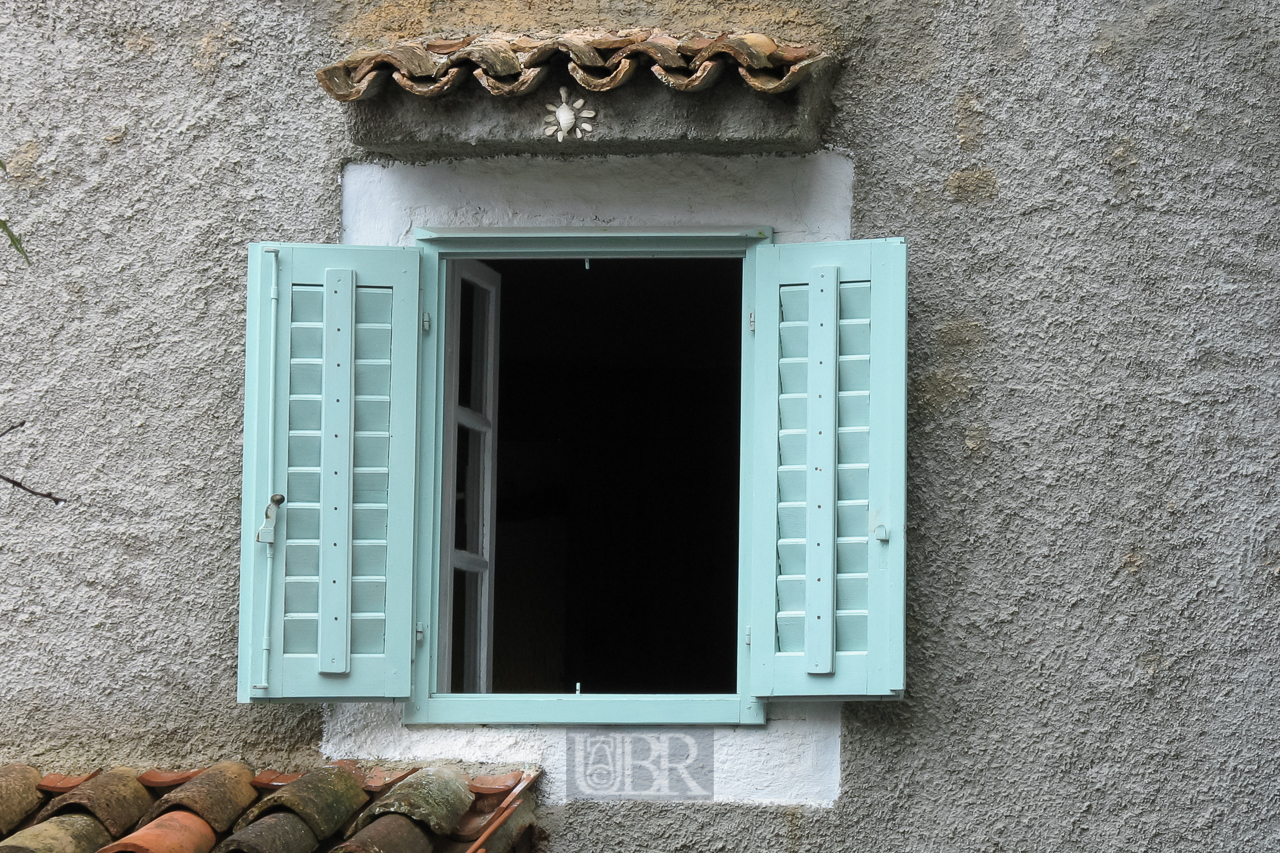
pixel 577 710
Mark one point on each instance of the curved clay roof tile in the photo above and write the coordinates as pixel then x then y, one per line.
pixel 430 87
pixel 614 79
pixel 175 832
pixel 661 50
pixel 580 51
pixel 389 832
pixel 19 796
pixel 412 58
pixel 703 77
pixel 492 54
pixel 116 798
pixel 532 53
pixel 774 85
pixel 336 80
pixel 324 798
pixel 70 833
pixel 524 84
pixel 751 50
pixel 283 832
pixel 448 45
pixel 613 41
pixel 218 795
pixel 434 796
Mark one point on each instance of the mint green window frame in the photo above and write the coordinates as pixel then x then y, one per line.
pixel 441 246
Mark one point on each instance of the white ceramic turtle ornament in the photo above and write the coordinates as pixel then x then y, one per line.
pixel 567 117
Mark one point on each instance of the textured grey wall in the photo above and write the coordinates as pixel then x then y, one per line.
pixel 1095 546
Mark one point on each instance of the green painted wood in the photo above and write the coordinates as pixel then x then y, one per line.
pixel 862 600
pixel 886 561
pixel 337 443
pixel 822 363
pixel 439 247
pixel 869 428
pixel 531 709
pixel 335 589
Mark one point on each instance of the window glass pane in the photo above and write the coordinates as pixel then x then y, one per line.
pixel 463 632
pixel 472 340
pixel 469 495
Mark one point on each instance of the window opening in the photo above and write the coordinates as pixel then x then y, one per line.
pixel 615 561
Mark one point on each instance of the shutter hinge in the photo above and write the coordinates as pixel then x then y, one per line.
pixel 426 322
pixel 420 633
pixel 752 322
pixel 748 635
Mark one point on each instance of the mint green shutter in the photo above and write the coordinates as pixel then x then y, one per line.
pixel 330 424
pixel 829 471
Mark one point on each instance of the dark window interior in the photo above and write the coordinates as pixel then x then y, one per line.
pixel 616 559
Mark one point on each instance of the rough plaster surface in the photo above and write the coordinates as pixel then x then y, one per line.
pixel 1088 190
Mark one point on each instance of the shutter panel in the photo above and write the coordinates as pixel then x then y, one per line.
pixel 331 425
pixel 829 469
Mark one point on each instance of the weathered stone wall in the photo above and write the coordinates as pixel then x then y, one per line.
pixel 1094 558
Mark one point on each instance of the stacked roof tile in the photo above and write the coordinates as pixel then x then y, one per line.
pixel 511 66
pixel 226 808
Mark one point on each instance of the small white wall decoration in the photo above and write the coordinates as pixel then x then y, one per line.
pixel 565 117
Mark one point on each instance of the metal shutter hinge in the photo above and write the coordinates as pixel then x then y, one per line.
pixel 426 322
pixel 420 633
pixel 748 635
pixel 752 321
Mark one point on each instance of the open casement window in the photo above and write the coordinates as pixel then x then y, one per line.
pixel 464 646
pixel 416 484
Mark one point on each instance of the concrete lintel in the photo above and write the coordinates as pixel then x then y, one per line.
pixel 643 117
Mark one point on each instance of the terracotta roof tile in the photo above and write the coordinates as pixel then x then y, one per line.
pixel 492 808
pixel 511 66
pixel 116 798
pixel 72 833
pixel 56 783
pixel 19 796
pixel 412 811
pixel 269 780
pixel 219 795
pixel 155 778
pixel 389 832
pixel 175 832
pixel 378 780
pixel 437 797
pixel 325 798
pixel 281 832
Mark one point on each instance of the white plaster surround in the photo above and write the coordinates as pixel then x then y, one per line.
pixel 795 758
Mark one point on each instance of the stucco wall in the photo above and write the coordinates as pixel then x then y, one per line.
pixel 1094 555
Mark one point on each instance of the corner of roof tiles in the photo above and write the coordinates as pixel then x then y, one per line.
pixel 580 95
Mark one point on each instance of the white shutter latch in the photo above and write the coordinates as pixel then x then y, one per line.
pixel 426 322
